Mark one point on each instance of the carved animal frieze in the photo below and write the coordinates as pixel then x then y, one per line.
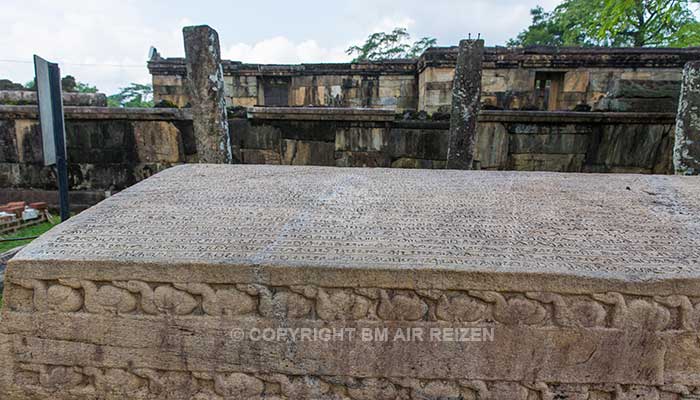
pixel 372 389
pixel 401 306
pixel 437 389
pixel 460 307
pixel 636 392
pixel 513 311
pixel 689 314
pixel 234 385
pixel 55 377
pixel 127 298
pixel 143 384
pixel 341 304
pixel 577 313
pixel 163 300
pixel 116 381
pixel 282 303
pixel 302 387
pixel 497 390
pixel 169 384
pixel 226 302
pixel 636 314
pixel 106 299
pixel 52 297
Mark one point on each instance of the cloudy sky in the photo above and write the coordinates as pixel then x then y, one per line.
pixel 105 42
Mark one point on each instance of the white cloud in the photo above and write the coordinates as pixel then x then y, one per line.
pixel 281 50
pixel 119 32
pixel 387 24
pixel 73 33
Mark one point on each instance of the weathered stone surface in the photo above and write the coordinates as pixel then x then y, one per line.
pixel 634 146
pixel 466 103
pixel 100 142
pixel 29 141
pixel 426 83
pixel 299 152
pixel 492 146
pixel 9 151
pixel 261 156
pixel 26 97
pixel 408 162
pixel 547 162
pixel 418 143
pixel 548 143
pixel 107 147
pixel 158 141
pixel 361 138
pixel 686 148
pixel 143 296
pixel 362 159
pixel 205 79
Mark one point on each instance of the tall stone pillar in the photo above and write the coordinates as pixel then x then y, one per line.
pixel 686 148
pixel 205 86
pixel 466 103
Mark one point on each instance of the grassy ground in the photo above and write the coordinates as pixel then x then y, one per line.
pixel 35 230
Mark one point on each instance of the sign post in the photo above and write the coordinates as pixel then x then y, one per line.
pixel 48 83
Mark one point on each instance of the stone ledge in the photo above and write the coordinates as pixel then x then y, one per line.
pixel 636 207
pixel 580 280
pixel 566 57
pixel 101 113
pixel 344 114
pixel 176 66
pixel 570 117
pixel 321 114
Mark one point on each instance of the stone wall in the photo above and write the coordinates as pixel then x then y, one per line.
pixel 28 97
pixel 604 79
pixel 110 148
pixel 506 140
pixel 389 84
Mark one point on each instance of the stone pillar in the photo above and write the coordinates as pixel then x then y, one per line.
pixel 466 103
pixel 686 148
pixel 205 87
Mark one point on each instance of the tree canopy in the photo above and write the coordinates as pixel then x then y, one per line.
pixel 613 23
pixel 386 46
pixel 70 84
pixel 134 95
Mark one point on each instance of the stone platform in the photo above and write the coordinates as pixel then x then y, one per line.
pixel 472 285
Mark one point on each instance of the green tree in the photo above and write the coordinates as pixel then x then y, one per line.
pixel 386 46
pixel 613 23
pixel 70 84
pixel 134 95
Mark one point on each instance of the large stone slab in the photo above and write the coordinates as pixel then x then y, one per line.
pixel 369 284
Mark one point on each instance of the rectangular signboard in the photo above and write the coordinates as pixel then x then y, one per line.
pixel 50 113
pixel 53 136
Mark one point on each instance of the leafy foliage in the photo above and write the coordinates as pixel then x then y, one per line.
pixel 134 95
pixel 386 46
pixel 69 84
pixel 613 23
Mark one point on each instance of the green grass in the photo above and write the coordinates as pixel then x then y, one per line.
pixel 35 230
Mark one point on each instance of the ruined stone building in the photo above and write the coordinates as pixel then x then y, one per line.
pixel 353 115
pixel 604 79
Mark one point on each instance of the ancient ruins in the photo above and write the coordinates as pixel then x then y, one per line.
pixel 542 109
pixel 211 281
pixel 579 287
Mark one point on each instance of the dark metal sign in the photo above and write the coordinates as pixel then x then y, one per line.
pixel 48 83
